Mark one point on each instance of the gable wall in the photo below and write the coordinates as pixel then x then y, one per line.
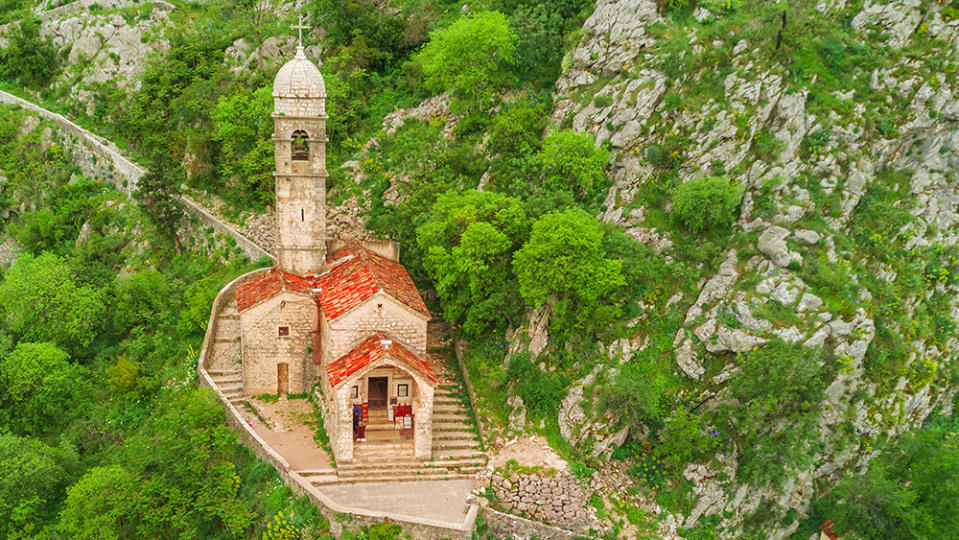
pixel 263 348
pixel 393 319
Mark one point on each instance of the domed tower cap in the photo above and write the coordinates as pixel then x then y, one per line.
pixel 299 79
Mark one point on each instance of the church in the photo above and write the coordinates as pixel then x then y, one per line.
pixel 341 318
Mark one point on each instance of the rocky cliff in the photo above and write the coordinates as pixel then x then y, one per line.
pixel 846 139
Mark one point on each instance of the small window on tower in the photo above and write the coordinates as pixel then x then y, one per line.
pixel 301 147
pixel 284 331
pixel 302 215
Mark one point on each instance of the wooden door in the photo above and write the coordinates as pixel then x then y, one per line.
pixel 282 378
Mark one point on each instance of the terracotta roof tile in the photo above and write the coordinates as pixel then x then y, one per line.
pixel 370 350
pixel 263 286
pixel 360 274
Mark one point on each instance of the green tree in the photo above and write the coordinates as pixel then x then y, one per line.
pixel 707 203
pixel 39 388
pixel 777 389
pixel 184 465
pixel 468 244
pixel 101 505
pixel 638 395
pixel 242 125
pixel 564 259
pixel 910 491
pixel 42 302
pixel 33 476
pixel 28 58
pixel 471 58
pixel 572 162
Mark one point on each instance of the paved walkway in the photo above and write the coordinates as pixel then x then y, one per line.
pixel 287 433
pixel 440 500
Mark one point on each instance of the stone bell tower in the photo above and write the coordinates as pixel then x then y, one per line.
pixel 299 135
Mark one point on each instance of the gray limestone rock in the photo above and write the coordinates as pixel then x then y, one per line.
pixel 772 243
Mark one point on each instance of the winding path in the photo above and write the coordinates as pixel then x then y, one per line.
pixel 131 172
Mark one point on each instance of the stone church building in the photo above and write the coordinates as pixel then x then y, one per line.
pixel 340 318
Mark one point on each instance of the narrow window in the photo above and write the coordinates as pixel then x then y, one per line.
pixel 302 218
pixel 301 147
pixel 284 331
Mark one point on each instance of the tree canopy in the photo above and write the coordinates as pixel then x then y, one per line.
pixel 470 58
pixel 564 258
pixel 43 302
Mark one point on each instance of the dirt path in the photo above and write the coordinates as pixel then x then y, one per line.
pixel 287 432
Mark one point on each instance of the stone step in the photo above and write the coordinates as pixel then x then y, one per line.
pixel 454 435
pixel 450 418
pixel 344 473
pixel 410 462
pixel 456 453
pixel 231 387
pixel 394 478
pixel 464 444
pixel 223 371
pixel 227 380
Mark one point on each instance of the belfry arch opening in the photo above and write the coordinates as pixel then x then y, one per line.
pixel 301 146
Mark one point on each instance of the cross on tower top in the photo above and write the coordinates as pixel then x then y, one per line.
pixel 300 27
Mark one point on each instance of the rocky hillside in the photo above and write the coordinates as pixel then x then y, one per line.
pixel 769 189
pixel 840 119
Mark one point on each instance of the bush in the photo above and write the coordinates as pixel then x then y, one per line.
pixel 572 162
pixel 39 388
pixel 29 59
pixel 707 203
pixel 638 396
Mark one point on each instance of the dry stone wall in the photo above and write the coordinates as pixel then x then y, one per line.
pixel 555 499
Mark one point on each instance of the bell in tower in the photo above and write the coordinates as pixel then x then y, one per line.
pixel 299 135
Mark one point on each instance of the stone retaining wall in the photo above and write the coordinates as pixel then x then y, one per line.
pixel 418 528
pixel 124 169
pixel 504 525
pixel 555 499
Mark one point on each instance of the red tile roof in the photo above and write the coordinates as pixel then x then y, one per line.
pixel 263 286
pixel 370 350
pixel 360 274
pixel 827 528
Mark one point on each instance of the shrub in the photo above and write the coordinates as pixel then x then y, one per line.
pixel 707 203
pixel 29 59
pixel 572 162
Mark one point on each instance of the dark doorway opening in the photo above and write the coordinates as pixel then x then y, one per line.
pixel 378 392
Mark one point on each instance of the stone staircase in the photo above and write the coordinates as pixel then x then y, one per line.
pixel 226 364
pixel 456 450
pixel 454 438
pixel 230 382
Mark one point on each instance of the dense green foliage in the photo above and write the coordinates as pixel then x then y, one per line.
pixel 29 59
pixel 909 491
pixel 470 59
pixel 102 431
pixel 707 203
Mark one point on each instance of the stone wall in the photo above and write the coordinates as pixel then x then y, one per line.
pixel 393 319
pixel 555 499
pixel 417 528
pixel 503 525
pixel 264 349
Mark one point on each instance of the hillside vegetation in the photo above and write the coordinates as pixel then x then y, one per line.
pixel 708 249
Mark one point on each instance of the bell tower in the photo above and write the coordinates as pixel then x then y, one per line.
pixel 299 135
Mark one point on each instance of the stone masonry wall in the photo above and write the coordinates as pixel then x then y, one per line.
pixel 555 499
pixel 393 319
pixel 264 349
